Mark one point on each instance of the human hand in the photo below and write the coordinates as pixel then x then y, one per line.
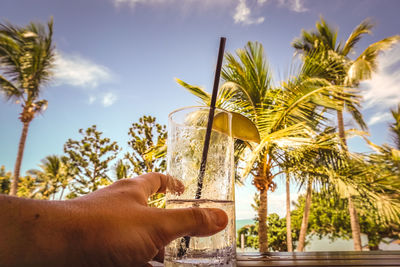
pixel 119 229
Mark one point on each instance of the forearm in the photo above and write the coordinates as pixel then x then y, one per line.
pixel 37 232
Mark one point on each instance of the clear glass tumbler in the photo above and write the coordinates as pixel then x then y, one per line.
pixel 186 135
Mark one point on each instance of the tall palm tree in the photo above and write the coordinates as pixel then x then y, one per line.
pixel 26 61
pixel 285 116
pixel 350 74
pixel 309 166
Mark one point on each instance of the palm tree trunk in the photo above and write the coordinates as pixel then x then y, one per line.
pixel 341 129
pixel 17 167
pixel 304 223
pixel 374 248
pixel 262 217
pixel 355 225
pixel 288 219
pixel 62 193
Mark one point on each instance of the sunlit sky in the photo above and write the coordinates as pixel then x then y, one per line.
pixel 117 59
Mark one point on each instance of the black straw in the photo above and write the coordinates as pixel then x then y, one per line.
pixel 210 118
pixel 186 239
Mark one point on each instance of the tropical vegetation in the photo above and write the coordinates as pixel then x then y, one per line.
pixel 349 73
pixel 297 138
pixel 328 218
pixel 26 64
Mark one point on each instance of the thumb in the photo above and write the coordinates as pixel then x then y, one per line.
pixel 191 222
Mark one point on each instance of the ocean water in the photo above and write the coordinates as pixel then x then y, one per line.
pixel 241 223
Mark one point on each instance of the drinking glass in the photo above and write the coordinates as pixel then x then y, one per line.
pixel 186 135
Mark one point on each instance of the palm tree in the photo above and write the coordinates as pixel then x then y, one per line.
pixel 5 180
pixel 384 166
pixel 350 74
pixel 26 61
pixel 54 175
pixel 121 170
pixel 285 116
pixel 311 166
pixel 374 180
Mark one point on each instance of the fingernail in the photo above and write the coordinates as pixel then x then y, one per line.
pixel 219 217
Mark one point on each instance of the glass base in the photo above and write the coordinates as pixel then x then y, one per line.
pixel 201 262
pixel 224 258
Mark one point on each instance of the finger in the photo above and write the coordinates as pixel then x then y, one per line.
pixel 174 223
pixel 152 182
pixel 175 186
pixel 158 183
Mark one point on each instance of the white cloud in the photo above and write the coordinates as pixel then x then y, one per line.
pixel 294 5
pixel 105 99
pixel 243 14
pixel 108 99
pixel 77 71
pixel 133 3
pixel 383 90
pixel 379 117
pixel 243 206
pixel 276 200
pixel 182 3
pixel 277 203
pixel 92 98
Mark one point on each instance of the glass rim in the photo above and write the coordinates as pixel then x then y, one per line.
pixel 170 115
pixel 189 107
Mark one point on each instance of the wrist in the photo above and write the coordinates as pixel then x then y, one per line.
pixel 57 232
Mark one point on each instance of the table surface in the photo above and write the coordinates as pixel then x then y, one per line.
pixel 331 258
pixel 325 259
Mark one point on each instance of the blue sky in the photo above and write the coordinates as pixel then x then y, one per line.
pixel 117 59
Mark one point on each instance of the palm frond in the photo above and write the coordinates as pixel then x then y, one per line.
pixel 323 37
pixel 10 50
pixel 363 28
pixel 294 135
pixel 240 148
pixel 27 56
pixel 39 106
pixel 366 63
pixel 327 33
pixel 10 90
pixel 307 42
pixel 312 160
pixel 300 96
pixel 361 179
pixel 395 127
pixel 354 109
pixel 197 91
pixel 250 71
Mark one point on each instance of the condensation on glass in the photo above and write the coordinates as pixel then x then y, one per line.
pixel 186 135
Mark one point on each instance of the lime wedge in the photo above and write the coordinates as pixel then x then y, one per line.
pixel 242 128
